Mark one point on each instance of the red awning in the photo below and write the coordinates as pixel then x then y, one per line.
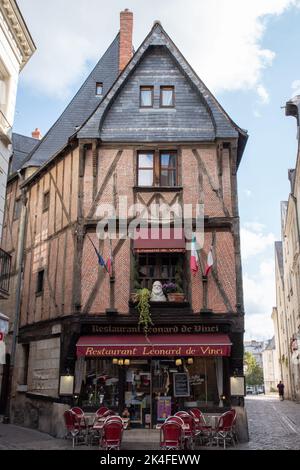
pixel 154 345
pixel 159 240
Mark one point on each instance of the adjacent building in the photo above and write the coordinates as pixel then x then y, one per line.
pixel 270 366
pixel 143 129
pixel 286 314
pixel 16 48
pixel 255 348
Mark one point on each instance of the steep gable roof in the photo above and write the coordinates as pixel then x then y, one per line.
pixel 22 145
pixel 223 124
pixel 79 109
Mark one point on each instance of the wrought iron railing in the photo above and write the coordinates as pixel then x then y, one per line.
pixel 5 261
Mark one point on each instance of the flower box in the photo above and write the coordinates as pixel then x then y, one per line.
pixel 176 297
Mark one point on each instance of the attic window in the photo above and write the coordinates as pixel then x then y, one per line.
pixel 167 97
pixel 99 88
pixel 146 96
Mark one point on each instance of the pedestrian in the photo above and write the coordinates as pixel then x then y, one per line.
pixel 280 387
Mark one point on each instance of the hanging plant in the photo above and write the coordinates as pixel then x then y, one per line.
pixel 143 307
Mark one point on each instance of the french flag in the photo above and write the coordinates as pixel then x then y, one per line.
pixel 209 263
pixel 194 261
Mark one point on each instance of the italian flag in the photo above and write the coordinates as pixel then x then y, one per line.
pixel 209 262
pixel 194 262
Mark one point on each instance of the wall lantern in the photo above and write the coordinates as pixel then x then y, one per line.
pixel 126 362
pixel 115 360
pixel 121 362
pixel 66 386
pixel 178 362
pixel 190 360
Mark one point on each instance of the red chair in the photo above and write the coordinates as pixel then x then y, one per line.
pixel 175 419
pixel 203 430
pixel 80 415
pixel 224 429
pixel 108 413
pixel 73 427
pixel 101 411
pixel 111 436
pixel 190 428
pixel 114 418
pixel 171 436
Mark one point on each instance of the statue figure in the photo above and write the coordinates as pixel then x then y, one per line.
pixel 157 294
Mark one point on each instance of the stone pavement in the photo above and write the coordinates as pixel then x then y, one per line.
pixel 272 424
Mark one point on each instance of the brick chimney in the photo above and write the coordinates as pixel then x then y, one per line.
pixel 36 134
pixel 126 27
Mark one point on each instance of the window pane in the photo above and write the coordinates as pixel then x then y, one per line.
pixel 168 178
pixel 146 97
pixel 168 160
pixel 145 177
pixel 167 96
pixel 99 88
pixel 145 160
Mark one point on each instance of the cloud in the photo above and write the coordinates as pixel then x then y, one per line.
pixel 295 87
pixel 254 241
pixel 263 94
pixel 221 39
pixel 258 279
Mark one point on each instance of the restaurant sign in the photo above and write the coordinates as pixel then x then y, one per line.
pixel 149 351
pixel 159 329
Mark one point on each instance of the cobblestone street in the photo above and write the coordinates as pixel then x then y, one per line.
pixel 272 425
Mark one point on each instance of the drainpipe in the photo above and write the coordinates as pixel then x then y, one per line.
pixel 19 265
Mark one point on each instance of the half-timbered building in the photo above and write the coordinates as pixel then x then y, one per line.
pixel 143 127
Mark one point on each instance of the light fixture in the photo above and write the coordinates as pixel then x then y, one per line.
pixel 121 362
pixel 115 360
pixel 190 360
pixel 178 362
pixel 126 362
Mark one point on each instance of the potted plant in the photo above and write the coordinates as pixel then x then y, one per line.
pixel 143 307
pixel 174 291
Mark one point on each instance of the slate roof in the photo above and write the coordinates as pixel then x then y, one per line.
pixel 22 146
pixel 271 344
pixel 279 256
pixel 223 124
pixel 80 108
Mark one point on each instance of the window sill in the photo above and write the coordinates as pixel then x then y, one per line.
pixel 161 189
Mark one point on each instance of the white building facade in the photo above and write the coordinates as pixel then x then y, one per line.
pixel 270 366
pixel 16 48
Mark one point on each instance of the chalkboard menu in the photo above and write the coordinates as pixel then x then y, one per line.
pixel 181 385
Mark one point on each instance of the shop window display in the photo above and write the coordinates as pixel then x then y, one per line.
pixel 145 388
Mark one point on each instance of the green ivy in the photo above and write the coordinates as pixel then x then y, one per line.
pixel 143 308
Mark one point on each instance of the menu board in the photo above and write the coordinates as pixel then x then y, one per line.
pixel 181 384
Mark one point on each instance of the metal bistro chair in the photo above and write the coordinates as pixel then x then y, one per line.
pixel 190 430
pixel 111 436
pixel 224 430
pixel 171 436
pixel 100 412
pixel 203 430
pixel 73 428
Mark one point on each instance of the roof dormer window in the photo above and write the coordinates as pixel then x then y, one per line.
pixel 99 89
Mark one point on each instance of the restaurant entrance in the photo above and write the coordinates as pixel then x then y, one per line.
pixel 149 390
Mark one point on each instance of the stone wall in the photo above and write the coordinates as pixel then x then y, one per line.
pixel 43 368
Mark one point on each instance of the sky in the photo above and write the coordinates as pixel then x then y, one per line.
pixel 245 52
